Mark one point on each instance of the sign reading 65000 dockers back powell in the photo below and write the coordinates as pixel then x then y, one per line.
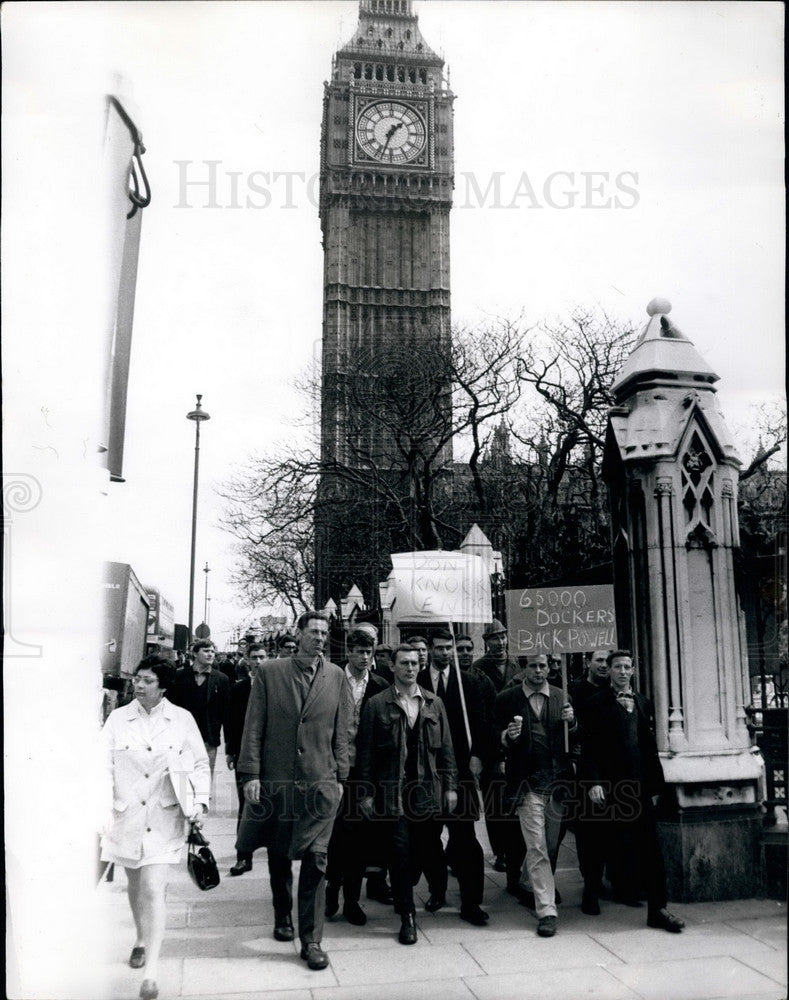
pixel 561 619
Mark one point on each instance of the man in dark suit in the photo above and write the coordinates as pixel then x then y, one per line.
pixel 622 770
pixel 503 831
pixel 465 851
pixel 293 762
pixel 589 840
pixel 405 759
pixel 234 729
pixel 205 692
pixel 596 679
pixel 529 719
pixel 352 839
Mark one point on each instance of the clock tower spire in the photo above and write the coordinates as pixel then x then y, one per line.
pixel 386 182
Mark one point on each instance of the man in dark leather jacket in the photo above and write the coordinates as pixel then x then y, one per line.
pixel 404 756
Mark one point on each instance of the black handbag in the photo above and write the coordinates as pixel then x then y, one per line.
pixel 200 860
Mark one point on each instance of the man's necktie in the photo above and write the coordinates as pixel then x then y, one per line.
pixel 442 688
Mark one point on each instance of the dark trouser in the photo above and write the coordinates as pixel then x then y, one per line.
pixel 311 892
pixel 636 860
pixel 240 792
pixel 492 785
pixel 411 849
pixel 348 848
pixel 468 860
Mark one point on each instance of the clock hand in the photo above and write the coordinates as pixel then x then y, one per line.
pixel 390 134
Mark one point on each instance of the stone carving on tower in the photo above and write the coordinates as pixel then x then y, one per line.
pixel 386 183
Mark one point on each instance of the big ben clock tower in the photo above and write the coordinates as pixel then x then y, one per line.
pixel 386 183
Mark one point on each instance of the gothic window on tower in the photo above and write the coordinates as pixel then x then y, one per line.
pixel 401 73
pixel 698 485
pixel 390 73
pixel 368 71
pixel 412 75
pixel 357 70
pixel 379 72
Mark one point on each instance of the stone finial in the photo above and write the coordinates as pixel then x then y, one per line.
pixel 658 306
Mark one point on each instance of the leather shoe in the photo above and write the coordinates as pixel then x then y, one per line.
pixel 379 891
pixel 137 957
pixel 315 957
pixel 407 933
pixel 546 927
pixel 354 914
pixel 241 866
pixel 283 928
pixel 590 904
pixel 149 990
pixel 499 865
pixel 332 898
pixel 474 915
pixel 435 903
pixel 665 921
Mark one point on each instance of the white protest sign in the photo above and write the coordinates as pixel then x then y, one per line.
pixel 440 587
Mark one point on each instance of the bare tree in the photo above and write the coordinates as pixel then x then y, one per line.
pixel 555 504
pixel 270 510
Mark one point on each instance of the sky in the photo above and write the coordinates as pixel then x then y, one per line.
pixel 605 153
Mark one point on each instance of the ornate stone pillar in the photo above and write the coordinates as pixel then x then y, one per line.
pixel 672 470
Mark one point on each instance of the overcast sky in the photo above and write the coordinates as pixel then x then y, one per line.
pixel 678 105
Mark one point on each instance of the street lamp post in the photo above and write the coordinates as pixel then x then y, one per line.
pixel 198 414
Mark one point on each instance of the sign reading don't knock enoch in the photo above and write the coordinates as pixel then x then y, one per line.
pixel 561 619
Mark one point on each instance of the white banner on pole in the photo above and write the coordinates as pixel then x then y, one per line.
pixel 440 587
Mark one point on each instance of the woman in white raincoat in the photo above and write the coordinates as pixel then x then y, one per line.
pixel 157 778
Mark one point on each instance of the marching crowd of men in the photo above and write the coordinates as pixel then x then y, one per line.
pixel 357 771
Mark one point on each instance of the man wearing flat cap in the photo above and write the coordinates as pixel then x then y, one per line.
pixel 499 669
pixel 496 664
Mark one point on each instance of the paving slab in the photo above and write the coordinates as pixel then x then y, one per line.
pixel 651 945
pixel 445 989
pixel 225 942
pixel 696 979
pixel 550 984
pixel 215 977
pixel 379 933
pixel 296 994
pixel 772 965
pixel 770 930
pixel 416 963
pixel 537 954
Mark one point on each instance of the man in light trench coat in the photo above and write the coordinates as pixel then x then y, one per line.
pixel 293 762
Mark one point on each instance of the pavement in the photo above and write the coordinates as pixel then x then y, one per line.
pixel 219 944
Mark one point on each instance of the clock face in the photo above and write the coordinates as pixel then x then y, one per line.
pixel 391 132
